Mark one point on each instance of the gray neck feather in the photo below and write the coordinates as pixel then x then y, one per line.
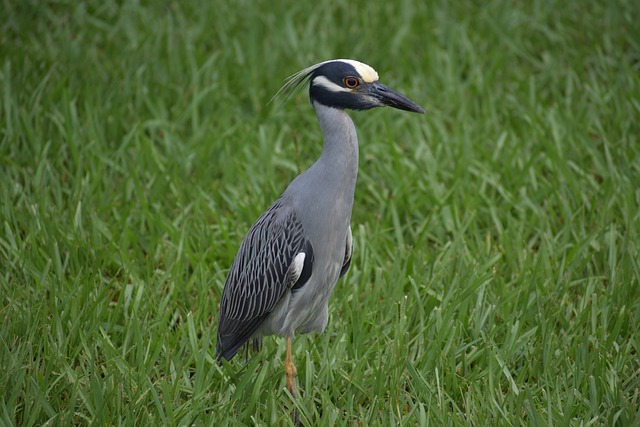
pixel 324 193
pixel 340 150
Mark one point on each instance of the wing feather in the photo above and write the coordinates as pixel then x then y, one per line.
pixel 348 253
pixel 259 276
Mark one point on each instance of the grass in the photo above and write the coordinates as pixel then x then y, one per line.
pixel 496 273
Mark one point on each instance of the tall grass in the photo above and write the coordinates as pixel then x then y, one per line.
pixel 497 239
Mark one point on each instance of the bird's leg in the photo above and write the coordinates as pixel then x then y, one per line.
pixel 291 372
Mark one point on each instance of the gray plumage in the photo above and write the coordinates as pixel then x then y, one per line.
pixel 292 257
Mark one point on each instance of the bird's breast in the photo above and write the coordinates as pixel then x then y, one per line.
pixel 329 241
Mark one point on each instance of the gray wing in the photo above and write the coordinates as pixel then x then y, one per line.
pixel 263 270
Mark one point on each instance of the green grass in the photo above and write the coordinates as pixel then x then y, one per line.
pixel 496 273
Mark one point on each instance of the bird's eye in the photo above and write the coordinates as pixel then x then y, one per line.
pixel 351 82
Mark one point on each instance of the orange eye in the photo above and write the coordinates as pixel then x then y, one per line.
pixel 351 82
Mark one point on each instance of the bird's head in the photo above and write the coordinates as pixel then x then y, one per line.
pixel 345 83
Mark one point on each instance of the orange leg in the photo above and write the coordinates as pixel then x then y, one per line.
pixel 291 372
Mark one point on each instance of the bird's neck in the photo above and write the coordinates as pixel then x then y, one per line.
pixel 340 149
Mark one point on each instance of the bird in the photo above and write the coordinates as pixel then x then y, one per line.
pixel 290 260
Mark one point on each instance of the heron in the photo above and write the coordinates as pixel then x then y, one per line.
pixel 290 260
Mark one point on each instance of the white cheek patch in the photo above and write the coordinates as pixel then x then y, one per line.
pixel 368 74
pixel 328 84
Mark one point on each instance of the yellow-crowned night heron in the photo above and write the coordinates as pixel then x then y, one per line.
pixel 289 262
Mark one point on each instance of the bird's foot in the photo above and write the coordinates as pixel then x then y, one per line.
pixel 291 372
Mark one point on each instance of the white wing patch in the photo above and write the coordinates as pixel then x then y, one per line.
pixel 349 248
pixel 295 269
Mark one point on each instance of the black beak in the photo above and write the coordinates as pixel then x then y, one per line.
pixel 391 98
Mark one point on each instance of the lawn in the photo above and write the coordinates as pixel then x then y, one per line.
pixel 496 270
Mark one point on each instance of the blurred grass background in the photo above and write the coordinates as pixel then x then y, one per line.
pixel 497 238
